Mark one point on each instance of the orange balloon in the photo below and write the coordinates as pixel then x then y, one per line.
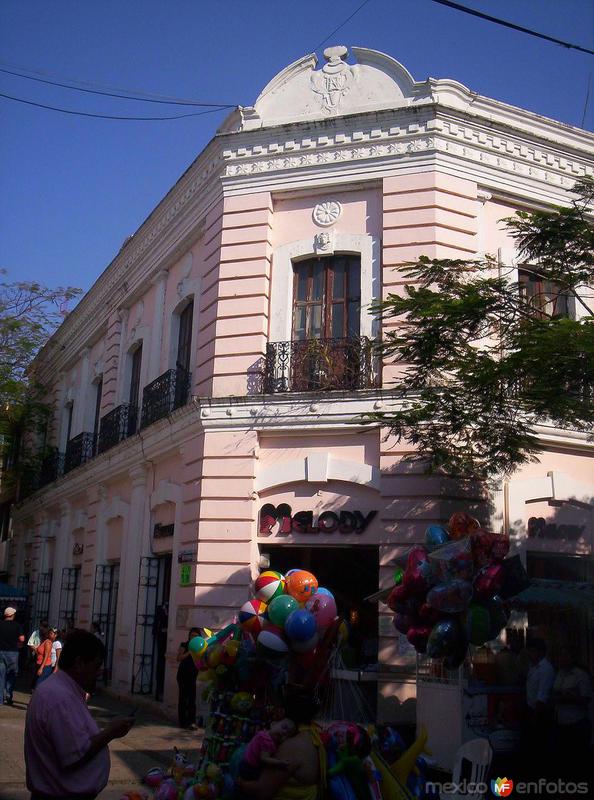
pixel 301 585
pixel 460 524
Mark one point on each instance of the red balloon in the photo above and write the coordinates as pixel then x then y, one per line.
pixel 418 636
pixel 398 597
pixel 488 546
pixel 488 581
pixel 419 571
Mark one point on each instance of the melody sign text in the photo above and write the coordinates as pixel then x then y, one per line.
pixel 281 520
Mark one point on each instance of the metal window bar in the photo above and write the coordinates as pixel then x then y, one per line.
pixel 117 425
pixel 168 392
pixel 23 583
pixel 41 600
pixel 68 610
pixel 105 599
pixel 320 365
pixel 78 451
pixel 52 467
pixel 144 642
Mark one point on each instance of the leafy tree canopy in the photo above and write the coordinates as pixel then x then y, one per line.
pixel 29 314
pixel 481 364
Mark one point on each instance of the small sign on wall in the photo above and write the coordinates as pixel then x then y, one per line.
pixel 185 574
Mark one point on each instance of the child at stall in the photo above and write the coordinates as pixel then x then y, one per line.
pixel 260 750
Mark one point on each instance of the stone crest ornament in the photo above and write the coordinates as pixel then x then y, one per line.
pixel 327 213
pixel 324 243
pixel 334 80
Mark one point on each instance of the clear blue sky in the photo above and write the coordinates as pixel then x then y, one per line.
pixel 72 189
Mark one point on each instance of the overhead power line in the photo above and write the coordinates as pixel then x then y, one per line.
pixel 98 88
pixel 473 12
pixel 110 116
pixel 342 24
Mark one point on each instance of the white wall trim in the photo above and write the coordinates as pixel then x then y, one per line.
pixel 166 492
pixel 368 247
pixel 115 508
pixel 318 468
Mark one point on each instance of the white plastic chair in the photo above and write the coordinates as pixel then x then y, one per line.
pixel 479 753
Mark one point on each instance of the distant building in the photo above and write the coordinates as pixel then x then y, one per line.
pixel 218 363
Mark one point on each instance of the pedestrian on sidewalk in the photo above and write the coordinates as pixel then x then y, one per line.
pixel 66 754
pixel 11 641
pixel 187 674
pixel 44 655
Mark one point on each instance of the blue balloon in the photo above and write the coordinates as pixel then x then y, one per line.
pixel 436 535
pixel 300 625
pixel 443 639
pixel 322 590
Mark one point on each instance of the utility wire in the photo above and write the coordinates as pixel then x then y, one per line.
pixel 342 24
pixel 147 99
pixel 73 83
pixel 473 12
pixel 110 116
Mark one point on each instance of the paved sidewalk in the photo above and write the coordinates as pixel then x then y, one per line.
pixel 149 744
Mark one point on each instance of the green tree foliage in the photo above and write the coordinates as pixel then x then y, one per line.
pixel 482 366
pixel 29 314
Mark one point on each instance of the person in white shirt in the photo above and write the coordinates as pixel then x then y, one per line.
pixel 572 693
pixel 538 728
pixel 56 651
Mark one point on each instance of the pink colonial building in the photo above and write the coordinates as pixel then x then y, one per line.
pixel 223 360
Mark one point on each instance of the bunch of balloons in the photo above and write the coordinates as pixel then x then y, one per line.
pixel 450 591
pixel 288 613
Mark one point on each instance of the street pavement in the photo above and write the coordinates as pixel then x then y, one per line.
pixel 149 744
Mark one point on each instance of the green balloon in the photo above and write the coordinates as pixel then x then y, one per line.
pixel 478 624
pixel 280 607
pixel 398 576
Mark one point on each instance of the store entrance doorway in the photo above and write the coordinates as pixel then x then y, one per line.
pixel 351 574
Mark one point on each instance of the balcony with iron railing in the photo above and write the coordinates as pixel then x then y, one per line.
pixel 117 425
pixel 169 391
pixel 319 365
pixel 79 450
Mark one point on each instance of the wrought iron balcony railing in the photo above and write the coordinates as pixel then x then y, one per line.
pixel 168 392
pixel 117 425
pixel 320 365
pixel 79 450
pixel 52 467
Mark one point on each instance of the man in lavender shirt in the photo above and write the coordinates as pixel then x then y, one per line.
pixel 66 753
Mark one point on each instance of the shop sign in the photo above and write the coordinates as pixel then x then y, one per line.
pixel 77 549
pixel 185 574
pixel 282 519
pixel 186 556
pixel 161 531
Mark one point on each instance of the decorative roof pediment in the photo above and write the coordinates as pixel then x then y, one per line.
pixel 301 92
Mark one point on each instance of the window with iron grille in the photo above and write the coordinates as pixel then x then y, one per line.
pixel 105 599
pixel 41 601
pixel 68 611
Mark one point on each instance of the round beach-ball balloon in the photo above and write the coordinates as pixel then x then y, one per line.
pixel 280 608
pixel 197 645
pixel 301 585
pixel 270 644
pixel 300 625
pixel 252 616
pixel 268 585
pixel 323 607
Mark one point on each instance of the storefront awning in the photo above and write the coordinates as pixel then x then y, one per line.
pixel 12 593
pixel 568 594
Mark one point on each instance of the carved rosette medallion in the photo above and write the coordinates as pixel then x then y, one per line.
pixel 327 213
